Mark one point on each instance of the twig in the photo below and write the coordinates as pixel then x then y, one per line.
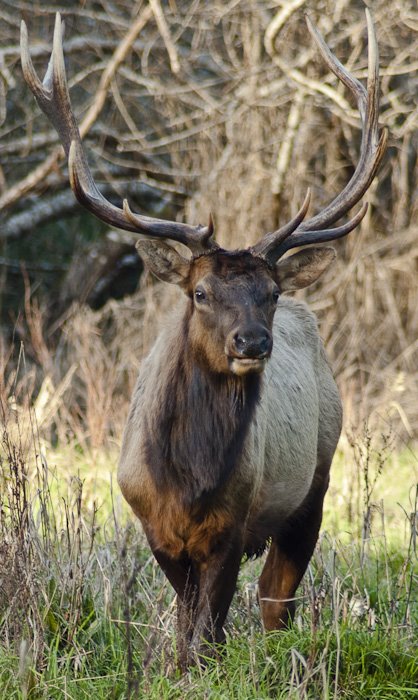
pixel 165 33
pixel 286 148
pixel 277 23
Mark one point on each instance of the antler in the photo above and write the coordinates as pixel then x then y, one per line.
pixel 53 98
pixel 273 245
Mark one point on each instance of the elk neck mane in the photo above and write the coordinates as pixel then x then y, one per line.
pixel 195 434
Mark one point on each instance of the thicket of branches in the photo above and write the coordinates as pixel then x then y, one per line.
pixel 192 107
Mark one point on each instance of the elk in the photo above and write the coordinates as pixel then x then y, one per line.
pixel 236 416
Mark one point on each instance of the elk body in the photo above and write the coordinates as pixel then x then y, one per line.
pixel 221 453
pixel 236 416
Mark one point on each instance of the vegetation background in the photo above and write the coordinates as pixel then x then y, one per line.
pixel 190 108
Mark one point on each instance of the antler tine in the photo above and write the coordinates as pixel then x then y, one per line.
pixel 53 98
pixel 270 241
pixel 51 94
pixel 329 234
pixel 373 147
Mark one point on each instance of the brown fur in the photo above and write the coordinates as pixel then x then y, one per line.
pixel 206 416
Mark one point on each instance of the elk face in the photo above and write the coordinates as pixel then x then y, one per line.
pixel 233 302
pixel 233 297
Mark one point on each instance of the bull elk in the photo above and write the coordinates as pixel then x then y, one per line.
pixel 235 416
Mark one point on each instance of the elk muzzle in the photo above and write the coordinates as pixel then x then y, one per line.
pixel 248 349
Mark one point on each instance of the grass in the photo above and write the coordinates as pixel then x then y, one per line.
pixel 85 611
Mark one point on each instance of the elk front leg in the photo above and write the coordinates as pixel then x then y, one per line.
pixel 182 575
pixel 217 581
pixel 288 558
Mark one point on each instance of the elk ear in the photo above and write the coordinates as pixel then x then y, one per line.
pixel 303 268
pixel 163 260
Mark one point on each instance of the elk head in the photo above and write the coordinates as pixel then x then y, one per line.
pixel 233 297
pixel 233 294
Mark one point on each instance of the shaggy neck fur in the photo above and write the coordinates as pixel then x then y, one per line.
pixel 195 439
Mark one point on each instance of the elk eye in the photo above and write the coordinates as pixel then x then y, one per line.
pixel 276 295
pixel 199 295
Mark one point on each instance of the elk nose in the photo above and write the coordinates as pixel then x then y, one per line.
pixel 254 345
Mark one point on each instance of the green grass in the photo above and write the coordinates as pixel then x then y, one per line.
pixel 355 663
pixel 85 611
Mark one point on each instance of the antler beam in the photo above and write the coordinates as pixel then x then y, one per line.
pixel 53 98
pixel 273 245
